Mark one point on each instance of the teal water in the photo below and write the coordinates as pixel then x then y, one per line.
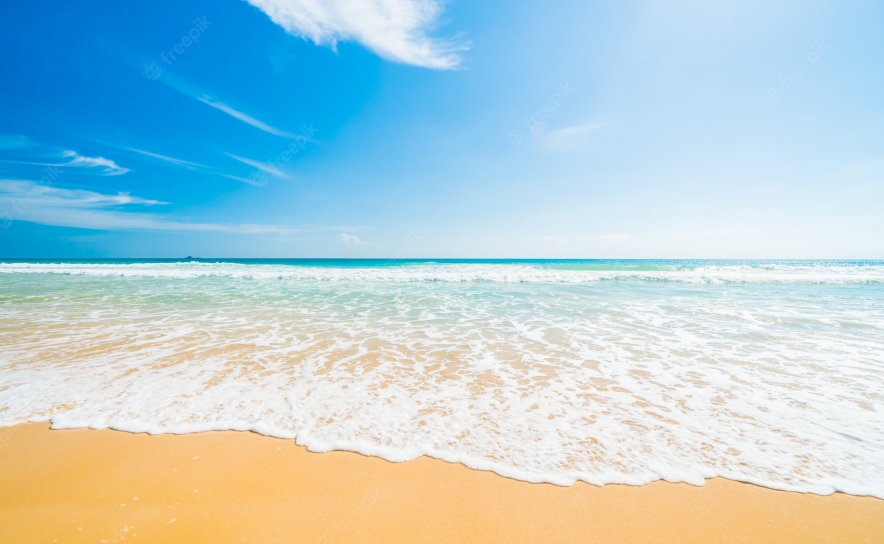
pixel 559 264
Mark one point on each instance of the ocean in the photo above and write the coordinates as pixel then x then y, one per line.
pixel 769 372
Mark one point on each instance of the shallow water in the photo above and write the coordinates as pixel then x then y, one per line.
pixel 603 371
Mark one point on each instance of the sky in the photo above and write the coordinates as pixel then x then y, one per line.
pixel 431 129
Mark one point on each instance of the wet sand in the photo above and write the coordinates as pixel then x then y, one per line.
pixel 109 486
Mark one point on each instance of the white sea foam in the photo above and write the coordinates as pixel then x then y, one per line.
pixel 715 273
pixel 766 373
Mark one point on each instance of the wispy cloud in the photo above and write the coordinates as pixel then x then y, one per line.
pixel 116 220
pixel 71 198
pixel 569 138
pixel 262 166
pixel 394 29
pixel 247 118
pixel 20 149
pixel 24 151
pixel 349 239
pixel 107 166
pixel 104 167
pixel 172 160
pixel 255 179
pixel 193 91
pixel 30 201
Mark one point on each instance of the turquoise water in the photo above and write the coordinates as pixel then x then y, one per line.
pixel 558 264
pixel 604 371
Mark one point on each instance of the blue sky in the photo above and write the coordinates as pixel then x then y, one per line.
pixel 415 128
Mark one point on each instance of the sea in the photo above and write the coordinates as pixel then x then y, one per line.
pixel 605 371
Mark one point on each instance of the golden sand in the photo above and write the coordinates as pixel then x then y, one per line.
pixel 109 486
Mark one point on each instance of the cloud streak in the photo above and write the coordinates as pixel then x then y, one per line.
pixel 349 239
pixel 77 198
pixel 107 166
pixel 245 118
pixel 394 29
pixel 255 180
pixel 195 166
pixel 171 160
pixel 36 203
pixel 262 166
pixel 570 138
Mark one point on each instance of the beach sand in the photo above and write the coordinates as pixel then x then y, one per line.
pixel 107 486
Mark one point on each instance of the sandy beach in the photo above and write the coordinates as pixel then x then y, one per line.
pixel 107 486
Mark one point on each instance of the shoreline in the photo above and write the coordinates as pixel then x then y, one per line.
pixel 84 485
pixel 471 463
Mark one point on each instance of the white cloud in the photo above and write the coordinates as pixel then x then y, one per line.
pixel 171 160
pixel 257 179
pixel 570 138
pixel 247 118
pixel 33 202
pixel 349 239
pixel 394 29
pixel 107 166
pixel 117 220
pixel 34 193
pixel 262 166
pixel 616 237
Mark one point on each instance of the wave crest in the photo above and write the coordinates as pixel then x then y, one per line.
pixel 775 273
